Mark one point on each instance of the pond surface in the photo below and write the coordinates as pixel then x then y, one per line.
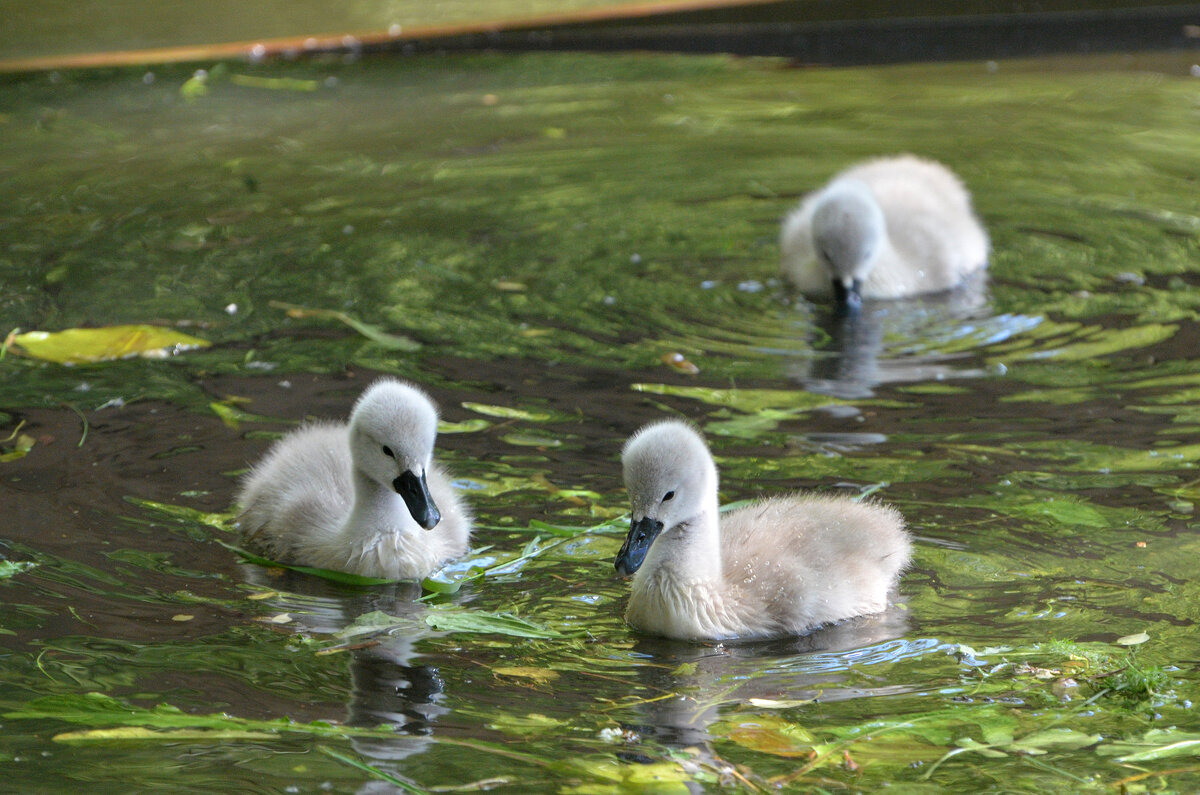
pixel 535 239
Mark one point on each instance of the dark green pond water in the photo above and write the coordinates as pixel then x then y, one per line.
pixel 546 229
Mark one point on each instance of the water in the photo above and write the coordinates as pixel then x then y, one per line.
pixel 549 228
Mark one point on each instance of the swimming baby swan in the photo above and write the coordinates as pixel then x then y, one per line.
pixel 887 228
pixel 781 566
pixel 364 497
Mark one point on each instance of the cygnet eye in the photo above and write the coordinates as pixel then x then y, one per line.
pixel 388 452
pixel 670 495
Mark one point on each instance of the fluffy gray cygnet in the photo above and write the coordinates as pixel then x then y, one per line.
pixel 887 228
pixel 782 566
pixel 364 497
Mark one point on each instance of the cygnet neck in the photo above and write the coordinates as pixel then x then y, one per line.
pixel 377 509
pixel 692 551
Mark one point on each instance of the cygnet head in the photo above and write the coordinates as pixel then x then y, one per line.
pixel 392 431
pixel 848 231
pixel 670 477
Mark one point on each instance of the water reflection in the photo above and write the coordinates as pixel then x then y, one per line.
pixel 907 341
pixel 389 685
pixel 706 678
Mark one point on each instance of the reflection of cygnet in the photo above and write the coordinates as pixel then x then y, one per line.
pixel 704 679
pixel 781 566
pixel 364 498
pixel 886 343
pixel 390 686
pixel 887 228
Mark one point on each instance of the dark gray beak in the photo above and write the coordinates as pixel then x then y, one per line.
pixel 849 299
pixel 641 535
pixel 415 493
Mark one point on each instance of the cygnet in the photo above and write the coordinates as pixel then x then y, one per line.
pixel 893 227
pixel 779 567
pixel 364 498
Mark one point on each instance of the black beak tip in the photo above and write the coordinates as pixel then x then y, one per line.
pixel 414 490
pixel 431 518
pixel 633 552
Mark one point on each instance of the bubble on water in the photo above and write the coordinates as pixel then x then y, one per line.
pixel 148 78
pixel 258 52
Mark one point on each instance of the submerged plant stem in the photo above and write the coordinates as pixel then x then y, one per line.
pixel 1120 783
pixel 83 436
pixel 373 771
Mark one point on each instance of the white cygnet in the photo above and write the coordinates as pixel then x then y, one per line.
pixel 887 228
pixel 779 567
pixel 364 497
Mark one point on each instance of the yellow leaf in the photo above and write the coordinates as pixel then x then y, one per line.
pixel 770 703
pixel 81 345
pixel 770 735
pixel 539 675
pixel 1133 640
pixel 169 735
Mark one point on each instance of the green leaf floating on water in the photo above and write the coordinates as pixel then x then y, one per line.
pixel 1154 744
pixel 617 777
pixel 508 412
pixel 371 770
pixel 84 345
pixel 466 426
pixel 274 83
pixel 748 400
pixel 325 574
pixel 529 725
pixel 8 568
pixel 392 342
pixel 1082 343
pixel 159 735
pixel 105 712
pixel 217 521
pixel 453 619
pixel 456 619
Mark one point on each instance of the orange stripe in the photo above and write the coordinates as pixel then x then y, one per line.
pixel 335 42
